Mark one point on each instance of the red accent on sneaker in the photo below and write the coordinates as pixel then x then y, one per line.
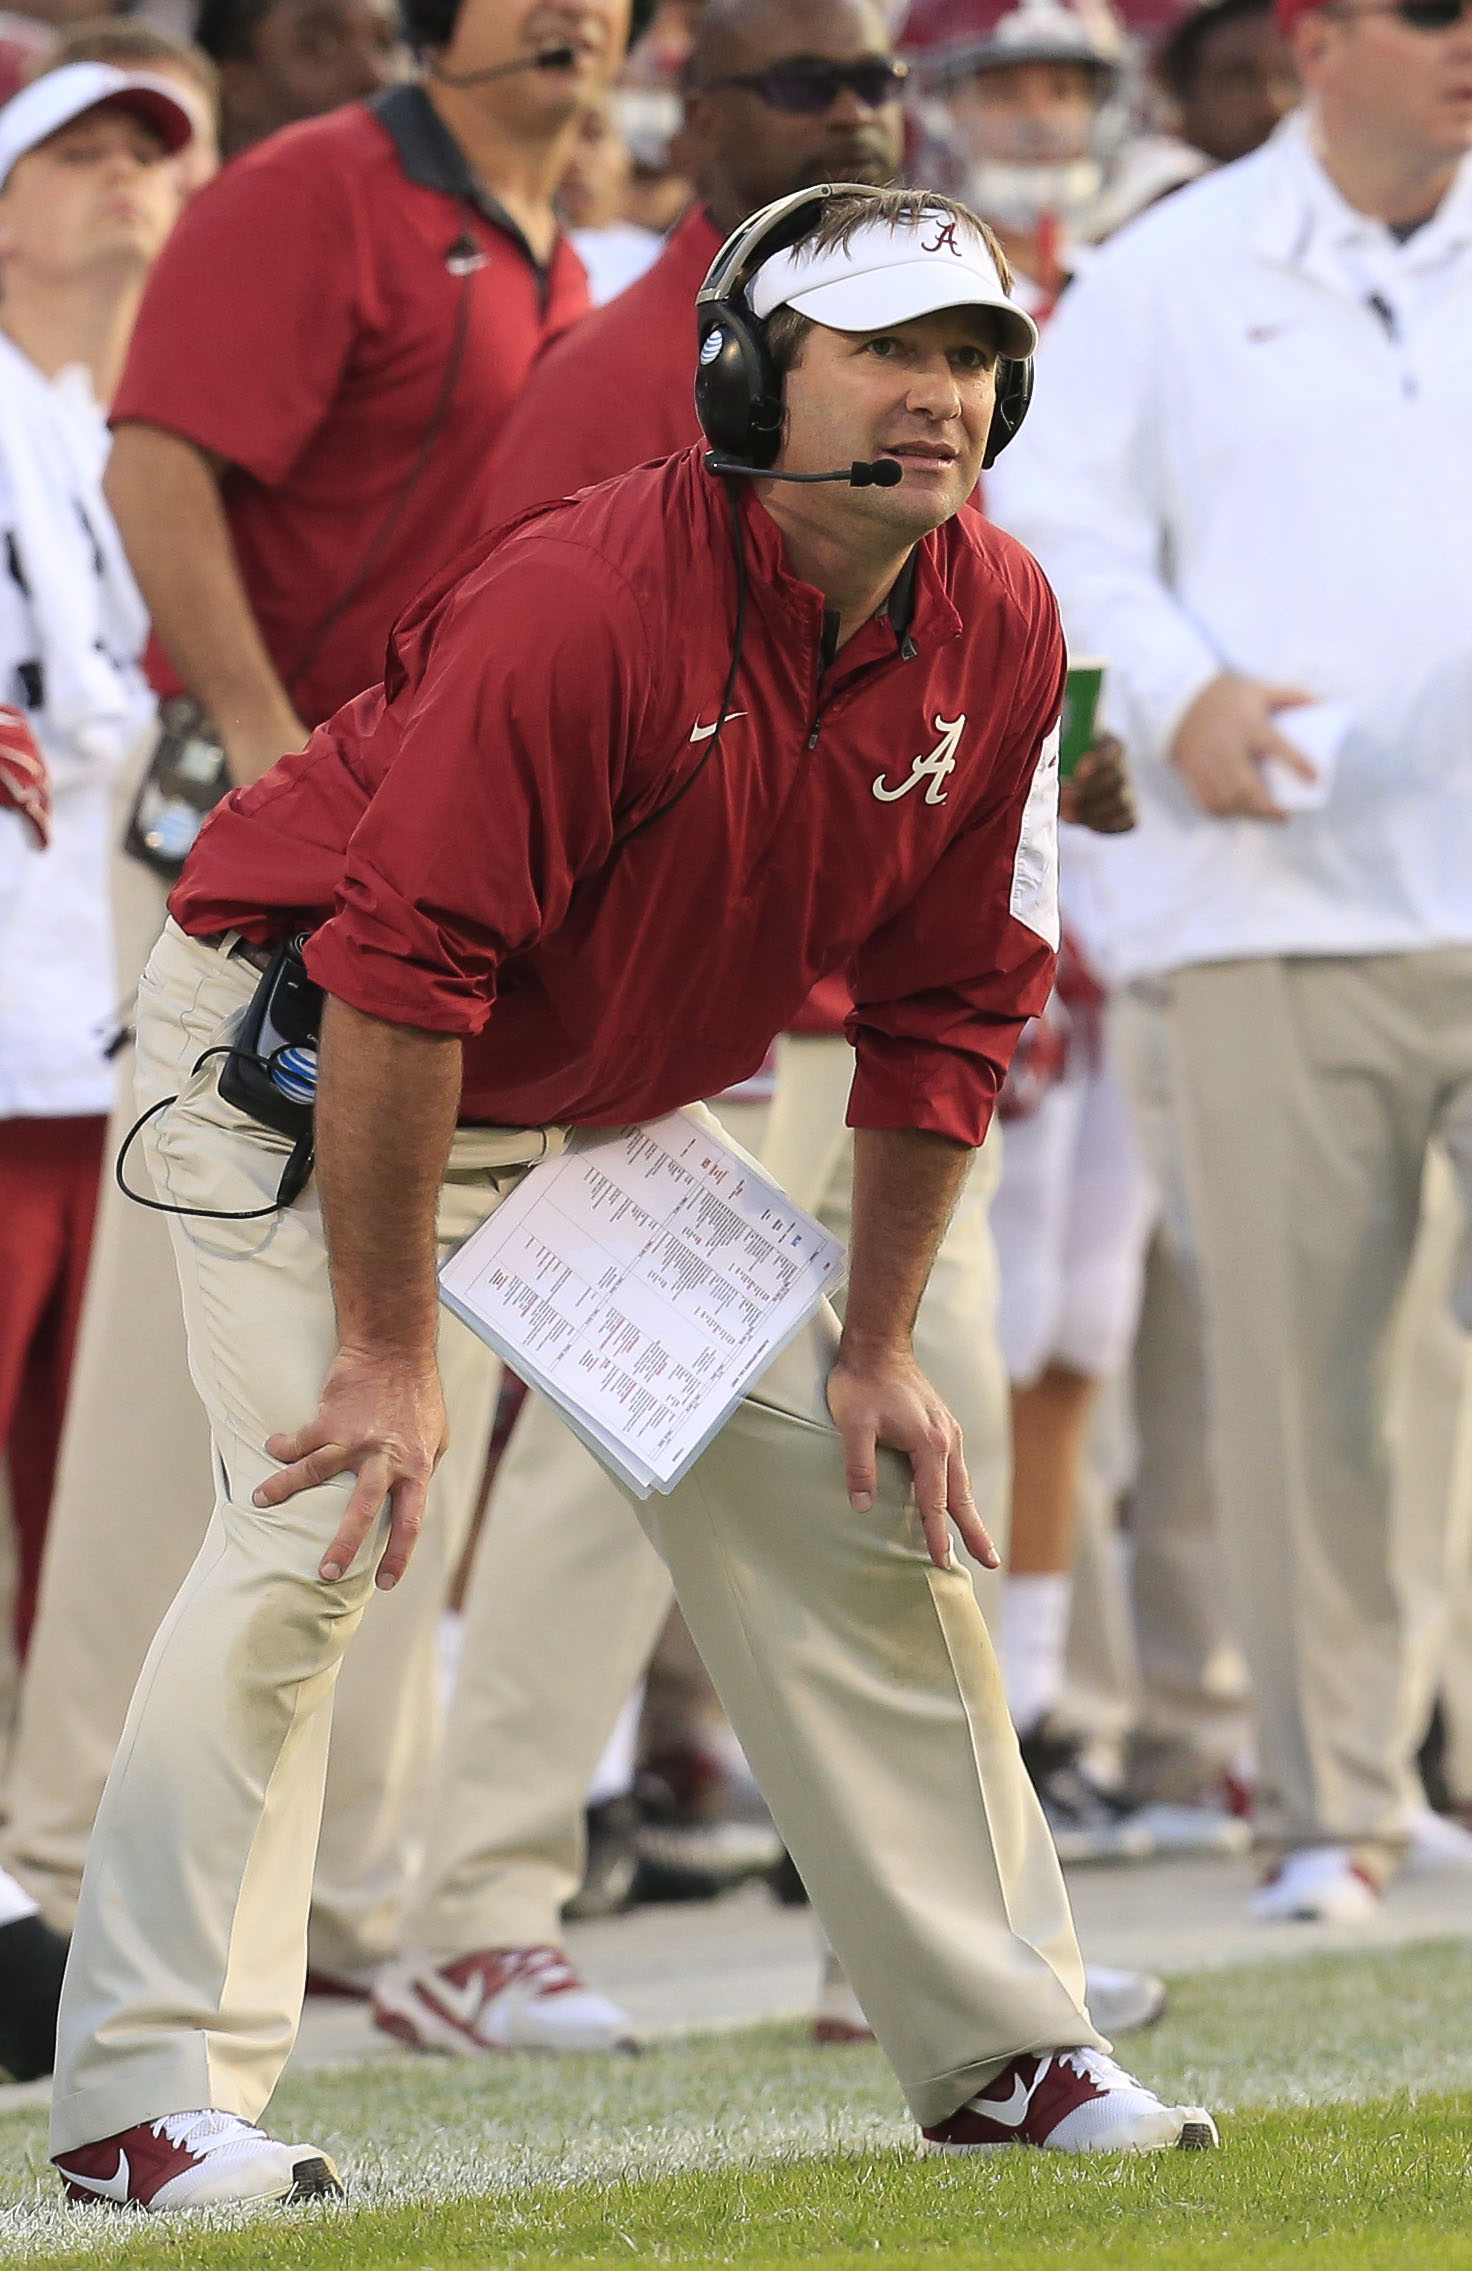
pixel 492 1970
pixel 827 2031
pixel 1030 2099
pixel 128 2169
pixel 332 1984
pixel 547 1969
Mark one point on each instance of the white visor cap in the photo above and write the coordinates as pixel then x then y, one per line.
pixel 886 274
pixel 57 97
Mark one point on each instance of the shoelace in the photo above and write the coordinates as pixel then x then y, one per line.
pixel 1095 2066
pixel 546 1970
pixel 204 2131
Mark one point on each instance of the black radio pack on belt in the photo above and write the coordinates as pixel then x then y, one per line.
pixel 269 1072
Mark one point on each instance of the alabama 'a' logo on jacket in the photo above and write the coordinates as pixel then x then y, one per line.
pixel 933 770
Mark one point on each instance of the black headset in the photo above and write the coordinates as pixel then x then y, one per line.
pixel 430 23
pixel 738 388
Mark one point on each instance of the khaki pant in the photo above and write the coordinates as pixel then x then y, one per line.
pixel 1193 1691
pixel 858 1677
pixel 567 1597
pixel 1309 1092
pixel 125 1525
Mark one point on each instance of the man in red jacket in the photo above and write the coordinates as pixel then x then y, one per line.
pixel 644 768
pixel 553 1653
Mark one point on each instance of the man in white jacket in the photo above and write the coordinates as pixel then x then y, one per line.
pixel 86 199
pixel 1249 475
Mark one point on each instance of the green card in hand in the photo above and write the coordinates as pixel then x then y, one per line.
pixel 1080 714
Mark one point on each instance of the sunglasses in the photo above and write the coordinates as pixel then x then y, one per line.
pixel 806 90
pixel 1416 15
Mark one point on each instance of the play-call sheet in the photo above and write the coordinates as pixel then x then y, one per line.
pixel 643 1281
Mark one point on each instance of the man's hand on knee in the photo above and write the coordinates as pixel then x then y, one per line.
pixel 382 1418
pixel 888 1400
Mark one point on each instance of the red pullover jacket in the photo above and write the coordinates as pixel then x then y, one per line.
pixel 469 841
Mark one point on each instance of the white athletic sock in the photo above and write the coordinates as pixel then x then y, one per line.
pixel 614 1775
pixel 1034 1636
pixel 15 1901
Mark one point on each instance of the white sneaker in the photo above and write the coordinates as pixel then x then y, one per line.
pixel 196 2160
pixel 497 1999
pixel 1178 1829
pixel 1437 1844
pixel 1122 2002
pixel 1317 1884
pixel 1075 2101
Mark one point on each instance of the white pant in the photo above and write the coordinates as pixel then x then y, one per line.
pixel 1071 1220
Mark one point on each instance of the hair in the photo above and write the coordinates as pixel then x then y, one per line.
pixel 226 29
pixel 1177 60
pixel 841 220
pixel 132 46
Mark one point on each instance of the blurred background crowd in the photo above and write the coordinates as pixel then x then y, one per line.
pixel 366 287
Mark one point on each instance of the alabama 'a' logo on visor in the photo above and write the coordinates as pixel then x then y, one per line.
pixel 945 237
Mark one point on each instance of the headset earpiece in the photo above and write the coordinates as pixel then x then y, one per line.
pixel 738 389
pixel 1014 393
pixel 738 392
pixel 430 23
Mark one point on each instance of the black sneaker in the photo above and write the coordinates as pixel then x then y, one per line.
pixel 693 1844
pixel 612 1863
pixel 1088 1822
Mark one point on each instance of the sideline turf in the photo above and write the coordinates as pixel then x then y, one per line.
pixel 1362 2188
pixel 757 2150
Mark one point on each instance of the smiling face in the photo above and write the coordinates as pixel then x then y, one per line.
pixel 492 32
pixel 97 198
pixel 922 392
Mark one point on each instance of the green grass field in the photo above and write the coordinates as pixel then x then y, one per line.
pixel 1345 2085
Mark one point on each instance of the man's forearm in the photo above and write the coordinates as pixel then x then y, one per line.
pixel 906 1184
pixel 165 496
pixel 386 1109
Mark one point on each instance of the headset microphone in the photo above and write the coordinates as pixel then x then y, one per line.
pixel 878 473
pixel 550 59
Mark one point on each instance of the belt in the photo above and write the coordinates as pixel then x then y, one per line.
pixel 238 949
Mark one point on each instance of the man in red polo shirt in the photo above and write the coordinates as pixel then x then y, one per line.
pixel 323 364
pixel 544 889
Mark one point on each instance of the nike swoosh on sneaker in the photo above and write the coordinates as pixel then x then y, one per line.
pixel 462 2004
pixel 114 2187
pixel 1008 2113
pixel 706 732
